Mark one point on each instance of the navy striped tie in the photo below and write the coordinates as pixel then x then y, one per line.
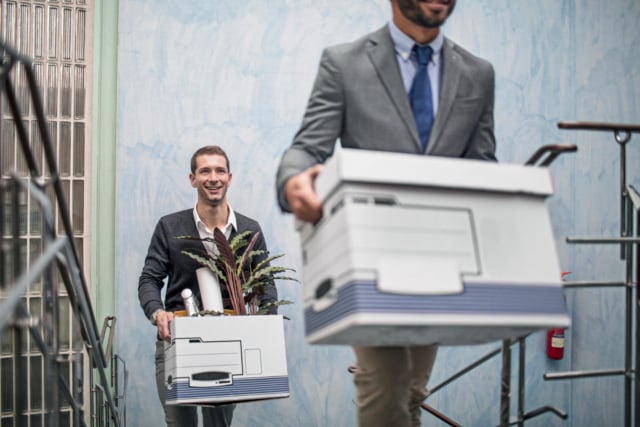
pixel 420 95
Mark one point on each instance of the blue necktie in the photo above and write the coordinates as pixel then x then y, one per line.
pixel 420 95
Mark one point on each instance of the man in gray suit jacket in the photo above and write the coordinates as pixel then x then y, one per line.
pixel 361 96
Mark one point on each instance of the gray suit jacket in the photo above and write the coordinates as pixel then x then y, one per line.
pixel 358 96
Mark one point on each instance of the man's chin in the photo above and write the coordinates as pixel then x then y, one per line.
pixel 426 14
pixel 215 201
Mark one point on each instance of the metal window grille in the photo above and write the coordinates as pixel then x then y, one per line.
pixel 56 35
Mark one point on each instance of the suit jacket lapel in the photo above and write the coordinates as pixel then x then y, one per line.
pixel 448 87
pixel 383 57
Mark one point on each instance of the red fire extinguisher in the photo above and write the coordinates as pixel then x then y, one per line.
pixel 555 338
pixel 555 343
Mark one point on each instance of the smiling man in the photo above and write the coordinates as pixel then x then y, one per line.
pixel 211 177
pixel 403 88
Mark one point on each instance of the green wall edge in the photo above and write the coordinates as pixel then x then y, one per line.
pixel 103 176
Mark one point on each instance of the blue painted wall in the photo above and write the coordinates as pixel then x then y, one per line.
pixel 238 74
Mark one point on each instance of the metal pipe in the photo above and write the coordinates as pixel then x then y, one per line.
pixel 629 304
pixel 440 415
pixel 543 410
pixel 552 151
pixel 604 240
pixel 462 372
pixel 584 374
pixel 592 284
pixel 601 126
pixel 623 196
pixel 636 220
pixel 521 379
pixel 505 384
pixel 625 254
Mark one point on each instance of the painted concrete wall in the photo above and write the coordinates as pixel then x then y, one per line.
pixel 238 74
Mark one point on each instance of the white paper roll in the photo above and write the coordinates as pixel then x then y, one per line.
pixel 209 290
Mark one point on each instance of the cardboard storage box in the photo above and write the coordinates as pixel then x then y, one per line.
pixel 218 359
pixel 421 250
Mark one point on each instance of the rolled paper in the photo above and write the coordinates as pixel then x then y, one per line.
pixel 209 290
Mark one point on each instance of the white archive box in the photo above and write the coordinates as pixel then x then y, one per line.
pixel 429 250
pixel 218 359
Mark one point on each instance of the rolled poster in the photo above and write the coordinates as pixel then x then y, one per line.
pixel 209 290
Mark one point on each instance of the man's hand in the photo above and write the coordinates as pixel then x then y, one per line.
pixel 163 318
pixel 301 195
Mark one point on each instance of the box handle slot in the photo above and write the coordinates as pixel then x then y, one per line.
pixel 325 295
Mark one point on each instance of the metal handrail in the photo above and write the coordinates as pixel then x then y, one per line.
pixel 628 240
pixel 551 151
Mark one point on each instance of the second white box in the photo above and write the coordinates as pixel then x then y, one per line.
pixel 219 359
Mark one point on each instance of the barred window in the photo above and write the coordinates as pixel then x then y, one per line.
pixel 57 36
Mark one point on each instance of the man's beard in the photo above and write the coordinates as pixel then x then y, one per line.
pixel 411 10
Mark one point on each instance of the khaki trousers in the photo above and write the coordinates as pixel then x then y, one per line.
pixel 391 384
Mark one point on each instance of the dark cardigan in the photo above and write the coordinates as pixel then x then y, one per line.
pixel 166 260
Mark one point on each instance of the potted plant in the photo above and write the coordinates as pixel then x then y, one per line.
pixel 228 266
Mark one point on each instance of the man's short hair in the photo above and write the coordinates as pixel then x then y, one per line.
pixel 209 149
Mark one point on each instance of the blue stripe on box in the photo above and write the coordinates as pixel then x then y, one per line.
pixel 240 387
pixel 476 299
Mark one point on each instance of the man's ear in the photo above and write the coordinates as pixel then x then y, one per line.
pixel 192 180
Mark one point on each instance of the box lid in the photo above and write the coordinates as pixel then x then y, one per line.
pixel 379 167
